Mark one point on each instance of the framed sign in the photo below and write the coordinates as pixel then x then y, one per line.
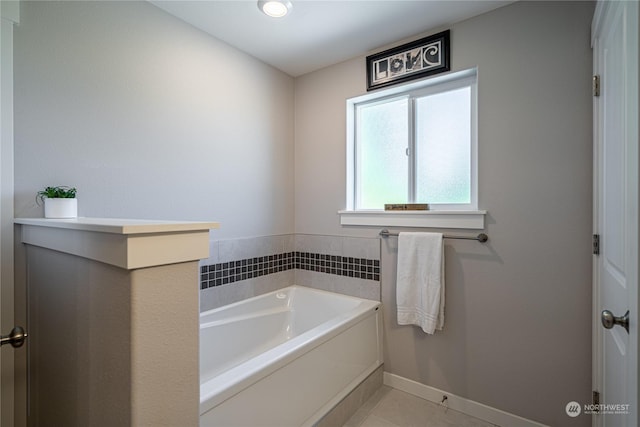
pixel 420 58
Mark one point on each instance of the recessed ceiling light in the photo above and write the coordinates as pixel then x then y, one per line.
pixel 275 8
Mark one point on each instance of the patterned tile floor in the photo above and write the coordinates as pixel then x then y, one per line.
pixel 389 407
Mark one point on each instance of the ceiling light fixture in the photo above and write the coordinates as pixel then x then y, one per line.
pixel 275 8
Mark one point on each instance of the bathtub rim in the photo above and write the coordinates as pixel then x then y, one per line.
pixel 231 382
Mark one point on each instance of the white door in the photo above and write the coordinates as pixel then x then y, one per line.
pixel 615 43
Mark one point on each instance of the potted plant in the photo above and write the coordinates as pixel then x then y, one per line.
pixel 59 202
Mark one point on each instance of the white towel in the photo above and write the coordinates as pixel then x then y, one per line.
pixel 420 281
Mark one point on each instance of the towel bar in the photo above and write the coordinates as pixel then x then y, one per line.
pixel 480 237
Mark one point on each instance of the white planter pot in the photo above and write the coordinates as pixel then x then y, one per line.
pixel 60 208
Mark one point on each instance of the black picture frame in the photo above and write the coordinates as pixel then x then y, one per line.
pixel 420 58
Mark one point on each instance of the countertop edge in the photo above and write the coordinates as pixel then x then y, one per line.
pixel 120 225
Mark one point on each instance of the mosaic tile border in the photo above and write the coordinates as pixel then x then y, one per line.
pixel 360 268
pixel 234 271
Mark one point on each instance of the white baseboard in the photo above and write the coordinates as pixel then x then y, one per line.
pixel 457 403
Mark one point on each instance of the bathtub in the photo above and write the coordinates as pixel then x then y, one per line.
pixel 285 358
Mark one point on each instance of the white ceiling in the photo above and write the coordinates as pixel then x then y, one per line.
pixel 316 34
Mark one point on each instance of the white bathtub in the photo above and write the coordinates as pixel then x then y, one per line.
pixel 285 358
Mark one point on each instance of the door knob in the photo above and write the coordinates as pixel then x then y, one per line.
pixel 609 320
pixel 15 338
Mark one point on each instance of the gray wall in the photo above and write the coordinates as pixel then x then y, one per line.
pixel 149 118
pixel 517 332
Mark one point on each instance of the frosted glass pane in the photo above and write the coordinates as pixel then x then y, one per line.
pixel 443 144
pixel 382 165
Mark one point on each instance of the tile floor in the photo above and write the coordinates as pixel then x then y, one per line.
pixel 389 407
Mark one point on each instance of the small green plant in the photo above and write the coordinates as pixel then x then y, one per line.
pixel 62 192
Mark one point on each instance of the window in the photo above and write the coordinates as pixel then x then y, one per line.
pixel 415 143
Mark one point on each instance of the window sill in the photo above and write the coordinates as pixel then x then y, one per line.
pixel 427 219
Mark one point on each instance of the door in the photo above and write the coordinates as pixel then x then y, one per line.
pixel 9 16
pixel 615 43
pixel 6 137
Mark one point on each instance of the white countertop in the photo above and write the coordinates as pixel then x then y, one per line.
pixel 119 225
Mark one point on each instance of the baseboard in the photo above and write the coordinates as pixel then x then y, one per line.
pixel 457 403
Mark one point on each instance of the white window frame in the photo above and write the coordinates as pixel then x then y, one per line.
pixel 439 216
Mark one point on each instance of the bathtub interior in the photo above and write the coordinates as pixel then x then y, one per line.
pixel 261 323
pixel 217 357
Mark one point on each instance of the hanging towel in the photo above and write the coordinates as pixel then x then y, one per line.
pixel 420 281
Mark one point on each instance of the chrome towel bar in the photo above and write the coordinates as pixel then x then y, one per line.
pixel 480 237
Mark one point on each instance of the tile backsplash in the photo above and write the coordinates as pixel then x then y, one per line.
pixel 224 273
pixel 360 268
pixel 242 268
